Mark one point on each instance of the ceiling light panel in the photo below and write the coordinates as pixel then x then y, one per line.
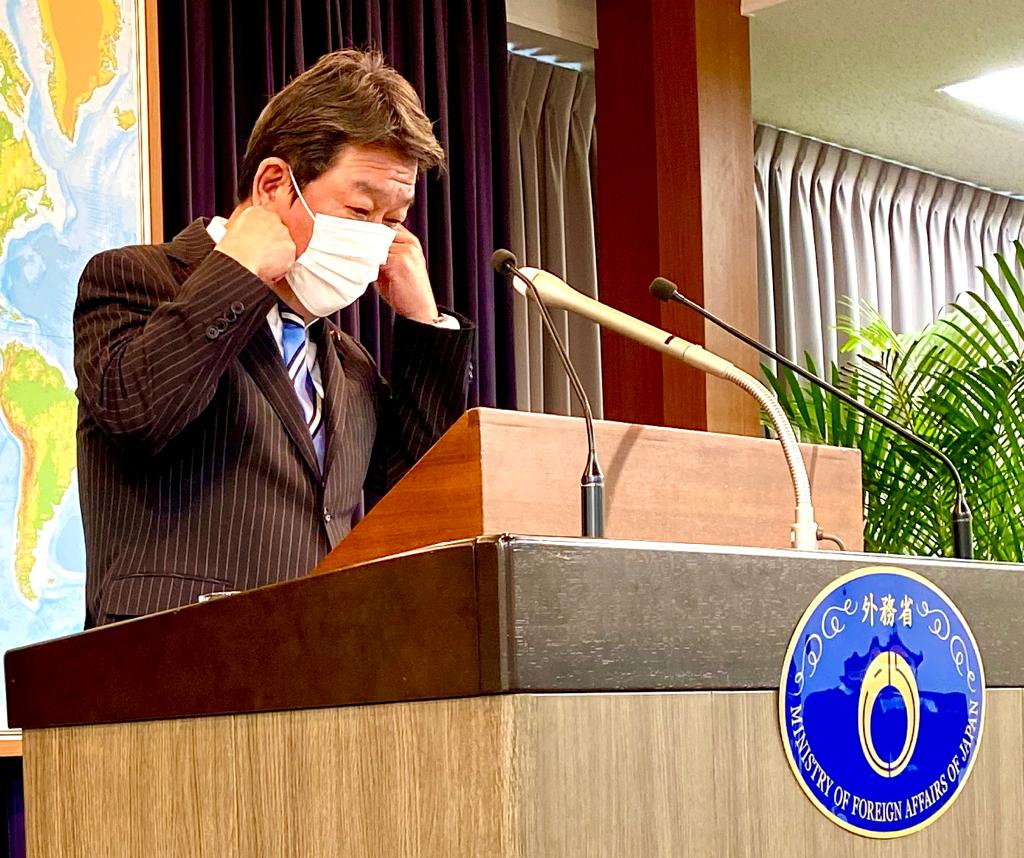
pixel 999 92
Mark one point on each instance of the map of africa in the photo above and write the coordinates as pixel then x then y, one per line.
pixel 71 184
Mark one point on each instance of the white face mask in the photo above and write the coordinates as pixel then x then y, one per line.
pixel 343 258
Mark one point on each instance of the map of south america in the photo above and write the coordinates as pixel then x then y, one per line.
pixel 40 412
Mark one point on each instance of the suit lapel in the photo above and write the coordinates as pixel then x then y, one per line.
pixel 335 392
pixel 260 357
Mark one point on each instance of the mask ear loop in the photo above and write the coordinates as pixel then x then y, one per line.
pixel 302 199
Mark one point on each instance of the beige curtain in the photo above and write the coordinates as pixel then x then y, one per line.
pixel 835 224
pixel 551 120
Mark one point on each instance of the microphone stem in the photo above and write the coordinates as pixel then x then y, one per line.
pixel 963 541
pixel 592 482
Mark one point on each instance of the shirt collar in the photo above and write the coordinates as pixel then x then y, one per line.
pixel 217 228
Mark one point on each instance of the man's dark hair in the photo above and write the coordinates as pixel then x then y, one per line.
pixel 347 97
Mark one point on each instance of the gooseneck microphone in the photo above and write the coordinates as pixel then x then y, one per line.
pixel 557 293
pixel 592 483
pixel 963 538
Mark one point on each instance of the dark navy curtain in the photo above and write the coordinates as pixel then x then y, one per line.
pixel 220 63
pixel 12 797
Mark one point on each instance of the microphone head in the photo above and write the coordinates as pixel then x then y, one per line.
pixel 503 261
pixel 663 289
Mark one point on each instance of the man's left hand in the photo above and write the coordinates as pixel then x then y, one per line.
pixel 404 282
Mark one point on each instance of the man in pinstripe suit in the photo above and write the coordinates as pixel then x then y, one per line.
pixel 226 430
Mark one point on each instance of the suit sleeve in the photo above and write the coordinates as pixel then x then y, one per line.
pixel 149 357
pixel 430 374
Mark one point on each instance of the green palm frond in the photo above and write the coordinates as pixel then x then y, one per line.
pixel 958 384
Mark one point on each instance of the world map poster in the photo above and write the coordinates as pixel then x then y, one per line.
pixel 73 181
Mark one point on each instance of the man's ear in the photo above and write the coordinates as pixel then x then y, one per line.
pixel 272 185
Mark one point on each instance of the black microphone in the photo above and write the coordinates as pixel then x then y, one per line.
pixel 592 483
pixel 963 538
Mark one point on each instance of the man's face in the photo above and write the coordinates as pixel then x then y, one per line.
pixel 368 183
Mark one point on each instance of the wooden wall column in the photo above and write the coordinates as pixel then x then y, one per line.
pixel 675 197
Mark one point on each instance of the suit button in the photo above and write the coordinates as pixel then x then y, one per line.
pixel 237 307
pixel 327 516
pixel 212 332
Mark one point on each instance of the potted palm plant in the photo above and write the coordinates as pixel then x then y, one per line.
pixel 958 384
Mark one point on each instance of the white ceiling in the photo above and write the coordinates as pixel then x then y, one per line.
pixel 864 74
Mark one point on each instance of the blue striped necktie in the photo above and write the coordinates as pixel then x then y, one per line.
pixel 295 341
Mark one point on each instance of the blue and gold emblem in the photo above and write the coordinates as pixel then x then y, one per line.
pixel 882 702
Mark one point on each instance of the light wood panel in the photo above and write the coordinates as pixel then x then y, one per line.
pixel 616 775
pixel 705 774
pixel 509 472
pixel 404 780
pixel 518 776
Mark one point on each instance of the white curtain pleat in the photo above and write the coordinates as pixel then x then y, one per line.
pixel 835 224
pixel 765 265
pixel 551 122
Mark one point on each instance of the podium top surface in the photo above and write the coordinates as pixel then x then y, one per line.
pixel 484 616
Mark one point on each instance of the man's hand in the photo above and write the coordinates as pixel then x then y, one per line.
pixel 404 282
pixel 259 240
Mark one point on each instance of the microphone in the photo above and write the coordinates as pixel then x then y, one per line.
pixel 592 483
pixel 556 293
pixel 963 538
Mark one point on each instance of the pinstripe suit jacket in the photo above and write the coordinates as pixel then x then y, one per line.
pixel 196 470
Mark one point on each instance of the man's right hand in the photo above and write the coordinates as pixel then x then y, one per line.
pixel 259 240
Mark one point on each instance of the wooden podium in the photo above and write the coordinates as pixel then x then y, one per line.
pixel 502 696
pixel 510 472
